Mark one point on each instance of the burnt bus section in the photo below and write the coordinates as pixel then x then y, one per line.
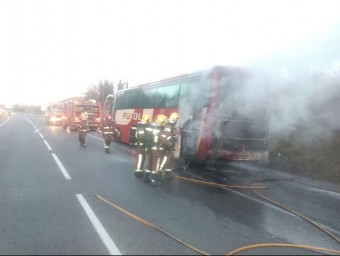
pixel 242 119
pixel 195 97
pixel 240 140
pixel 225 118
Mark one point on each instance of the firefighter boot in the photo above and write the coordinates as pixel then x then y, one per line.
pixel 82 141
pixel 169 173
pixel 106 148
pixel 146 175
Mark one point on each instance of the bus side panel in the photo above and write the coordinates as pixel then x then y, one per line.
pixel 124 119
pixel 192 136
pixel 208 121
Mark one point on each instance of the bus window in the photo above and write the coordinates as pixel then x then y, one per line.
pixel 109 101
pixel 195 92
pixel 184 91
pixel 167 96
pixel 147 98
pixel 132 99
pixel 120 101
pixel 200 89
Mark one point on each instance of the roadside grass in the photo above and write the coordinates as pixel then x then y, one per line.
pixel 319 159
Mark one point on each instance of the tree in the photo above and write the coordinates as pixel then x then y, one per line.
pixel 99 91
pixel 122 85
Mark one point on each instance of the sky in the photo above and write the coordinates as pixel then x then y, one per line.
pixel 54 49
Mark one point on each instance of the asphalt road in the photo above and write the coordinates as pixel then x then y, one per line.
pixel 50 189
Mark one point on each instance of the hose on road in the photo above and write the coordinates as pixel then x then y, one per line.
pixel 253 187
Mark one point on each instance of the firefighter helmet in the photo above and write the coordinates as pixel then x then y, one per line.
pixel 146 119
pixel 173 117
pixel 161 120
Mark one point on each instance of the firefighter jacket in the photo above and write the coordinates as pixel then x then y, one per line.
pixel 141 135
pixel 171 135
pixel 107 129
pixel 160 140
pixel 83 126
pixel 84 116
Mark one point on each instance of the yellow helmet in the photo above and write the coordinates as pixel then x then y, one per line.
pixel 161 120
pixel 146 119
pixel 173 117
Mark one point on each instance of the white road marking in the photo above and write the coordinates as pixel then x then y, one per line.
pixel 260 201
pixel 330 193
pixel 48 146
pixel 42 136
pixel 61 167
pixel 110 245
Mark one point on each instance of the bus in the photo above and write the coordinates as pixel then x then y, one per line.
pixel 224 113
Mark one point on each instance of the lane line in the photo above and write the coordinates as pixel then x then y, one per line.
pixel 61 167
pixel 47 145
pixel 110 245
pixel 42 136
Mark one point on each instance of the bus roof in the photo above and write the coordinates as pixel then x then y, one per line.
pixel 219 67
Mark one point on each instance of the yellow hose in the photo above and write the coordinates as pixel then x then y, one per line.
pixel 262 186
pixel 151 225
pixel 244 248
pixel 299 246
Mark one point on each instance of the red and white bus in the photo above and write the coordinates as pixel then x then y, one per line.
pixel 223 113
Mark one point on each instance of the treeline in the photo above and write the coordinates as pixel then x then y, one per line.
pixel 36 109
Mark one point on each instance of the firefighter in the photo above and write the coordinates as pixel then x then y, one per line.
pixel 171 135
pixel 83 126
pixel 107 131
pixel 140 139
pixel 159 146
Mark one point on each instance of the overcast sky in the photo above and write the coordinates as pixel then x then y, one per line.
pixel 54 49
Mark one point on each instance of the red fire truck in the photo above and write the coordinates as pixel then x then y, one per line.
pixel 53 113
pixel 72 108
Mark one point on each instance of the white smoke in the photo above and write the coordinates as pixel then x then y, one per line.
pixel 304 84
pixel 303 88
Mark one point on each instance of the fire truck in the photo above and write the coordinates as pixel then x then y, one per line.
pixel 53 113
pixel 72 109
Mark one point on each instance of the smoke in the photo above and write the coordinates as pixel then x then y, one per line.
pixel 297 89
pixel 306 101
pixel 304 85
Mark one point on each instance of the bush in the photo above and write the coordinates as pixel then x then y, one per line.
pixel 318 159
